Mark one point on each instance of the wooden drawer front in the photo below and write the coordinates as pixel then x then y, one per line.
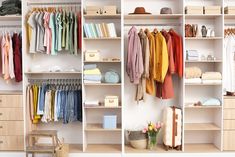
pixel 229 103
pixel 229 140
pixel 11 114
pixel 11 142
pixel 11 101
pixel 229 125
pixel 229 114
pixel 11 128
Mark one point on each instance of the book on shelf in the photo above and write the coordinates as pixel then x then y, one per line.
pixel 100 30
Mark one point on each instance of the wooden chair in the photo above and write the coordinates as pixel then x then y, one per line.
pixel 41 148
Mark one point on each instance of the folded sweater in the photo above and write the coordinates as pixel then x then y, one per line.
pixel 211 76
pixel 193 72
pixel 93 71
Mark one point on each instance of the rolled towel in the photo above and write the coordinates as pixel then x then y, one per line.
pixel 90 66
pixel 93 77
pixel 192 72
pixel 92 72
pixel 212 76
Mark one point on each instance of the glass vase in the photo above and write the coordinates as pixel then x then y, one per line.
pixel 152 141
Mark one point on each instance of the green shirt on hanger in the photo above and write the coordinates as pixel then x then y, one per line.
pixel 75 35
pixel 71 33
pixel 64 29
pixel 67 31
pixel 53 36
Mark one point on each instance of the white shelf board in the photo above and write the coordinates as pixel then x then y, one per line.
pixel 10 18
pixel 100 17
pixel 156 17
pixel 203 38
pixel 203 84
pixel 204 61
pixel 52 73
pixel 102 84
pixel 227 16
pixel 200 148
pixel 213 16
pixel 201 127
pixel 99 128
pixel 102 61
pixel 103 148
pixel 202 107
pixel 106 38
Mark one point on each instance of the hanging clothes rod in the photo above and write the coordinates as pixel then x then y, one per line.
pixel 158 24
pixel 53 3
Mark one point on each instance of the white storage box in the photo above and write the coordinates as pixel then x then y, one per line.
pixel 110 10
pixel 197 10
pixel 92 56
pixel 110 122
pixel 93 10
pixel 229 10
pixel 208 10
pixel 111 101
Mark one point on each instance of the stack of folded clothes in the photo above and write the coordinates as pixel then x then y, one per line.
pixel 92 74
pixel 193 55
pixel 193 75
pixel 212 78
pixel 10 7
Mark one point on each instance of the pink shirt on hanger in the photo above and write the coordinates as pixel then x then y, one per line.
pixel 48 35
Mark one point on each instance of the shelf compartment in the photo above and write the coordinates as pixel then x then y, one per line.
pixel 75 148
pixel 203 84
pixel 104 148
pixel 201 127
pixel 101 107
pixel 204 61
pixel 159 16
pixel 102 84
pixel 40 73
pixel 10 18
pixel 159 149
pixel 95 17
pixel 99 128
pixel 204 16
pixel 201 148
pixel 229 16
pixel 107 38
pixel 203 38
pixel 102 61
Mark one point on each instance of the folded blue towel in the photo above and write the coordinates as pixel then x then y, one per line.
pixel 211 102
pixel 90 66
pixel 93 77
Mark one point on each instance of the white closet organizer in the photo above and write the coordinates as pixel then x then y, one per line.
pixel 136 115
pixel 43 66
pixel 96 138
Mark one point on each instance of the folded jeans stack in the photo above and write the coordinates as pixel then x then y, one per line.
pixel 10 7
pixel 92 74
pixel 193 55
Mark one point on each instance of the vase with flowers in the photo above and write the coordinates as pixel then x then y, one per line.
pixel 152 131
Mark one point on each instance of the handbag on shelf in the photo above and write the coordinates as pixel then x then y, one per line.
pixel 112 77
pixel 188 30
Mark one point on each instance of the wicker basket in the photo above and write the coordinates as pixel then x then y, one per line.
pixel 137 139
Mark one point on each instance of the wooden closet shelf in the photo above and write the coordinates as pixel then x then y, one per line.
pixel 201 127
pixel 75 148
pixel 102 84
pixel 103 148
pixel 107 38
pixel 200 148
pixel 159 149
pixel 203 84
pixel 102 61
pixel 95 17
pixel 156 17
pixel 203 38
pixel 10 18
pixel 41 73
pixel 227 16
pixel 101 107
pixel 204 61
pixel 188 16
pixel 99 127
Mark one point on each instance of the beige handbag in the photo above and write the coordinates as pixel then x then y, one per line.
pixel 62 149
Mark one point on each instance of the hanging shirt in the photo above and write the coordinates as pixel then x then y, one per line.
pixel 33 25
pixel 67 31
pixel 53 33
pixel 17 58
pixel 41 33
pixel 79 30
pixel 64 23
pixel 59 34
pixel 75 34
pixel 134 66
pixel 48 35
pixel 5 56
pixel 71 34
pixel 11 58
pixel 229 59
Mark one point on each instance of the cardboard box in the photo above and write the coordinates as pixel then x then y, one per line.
pixel 208 10
pixel 92 56
pixel 229 10
pixel 110 122
pixel 197 10
pixel 111 101
pixel 109 10
pixel 93 10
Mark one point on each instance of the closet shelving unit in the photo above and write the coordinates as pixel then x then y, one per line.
pixel 96 138
pixel 151 109
pixel 203 125
pixel 72 132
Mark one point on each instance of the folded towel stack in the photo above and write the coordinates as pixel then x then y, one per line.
pixel 193 55
pixel 212 77
pixel 92 74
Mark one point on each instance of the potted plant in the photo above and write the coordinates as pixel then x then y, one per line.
pixel 152 131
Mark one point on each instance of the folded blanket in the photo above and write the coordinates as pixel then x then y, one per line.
pixel 90 66
pixel 92 72
pixel 211 76
pixel 89 81
pixel 93 77
pixel 211 102
pixel 92 103
pixel 193 72
pixel 194 80
pixel 211 81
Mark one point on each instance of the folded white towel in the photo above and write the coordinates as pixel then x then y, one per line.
pixel 193 80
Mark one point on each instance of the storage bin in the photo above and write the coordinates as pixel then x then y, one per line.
pixel 208 10
pixel 93 10
pixel 110 122
pixel 92 56
pixel 111 101
pixel 229 10
pixel 194 10
pixel 109 10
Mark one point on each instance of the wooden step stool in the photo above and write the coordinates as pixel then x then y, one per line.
pixel 34 147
